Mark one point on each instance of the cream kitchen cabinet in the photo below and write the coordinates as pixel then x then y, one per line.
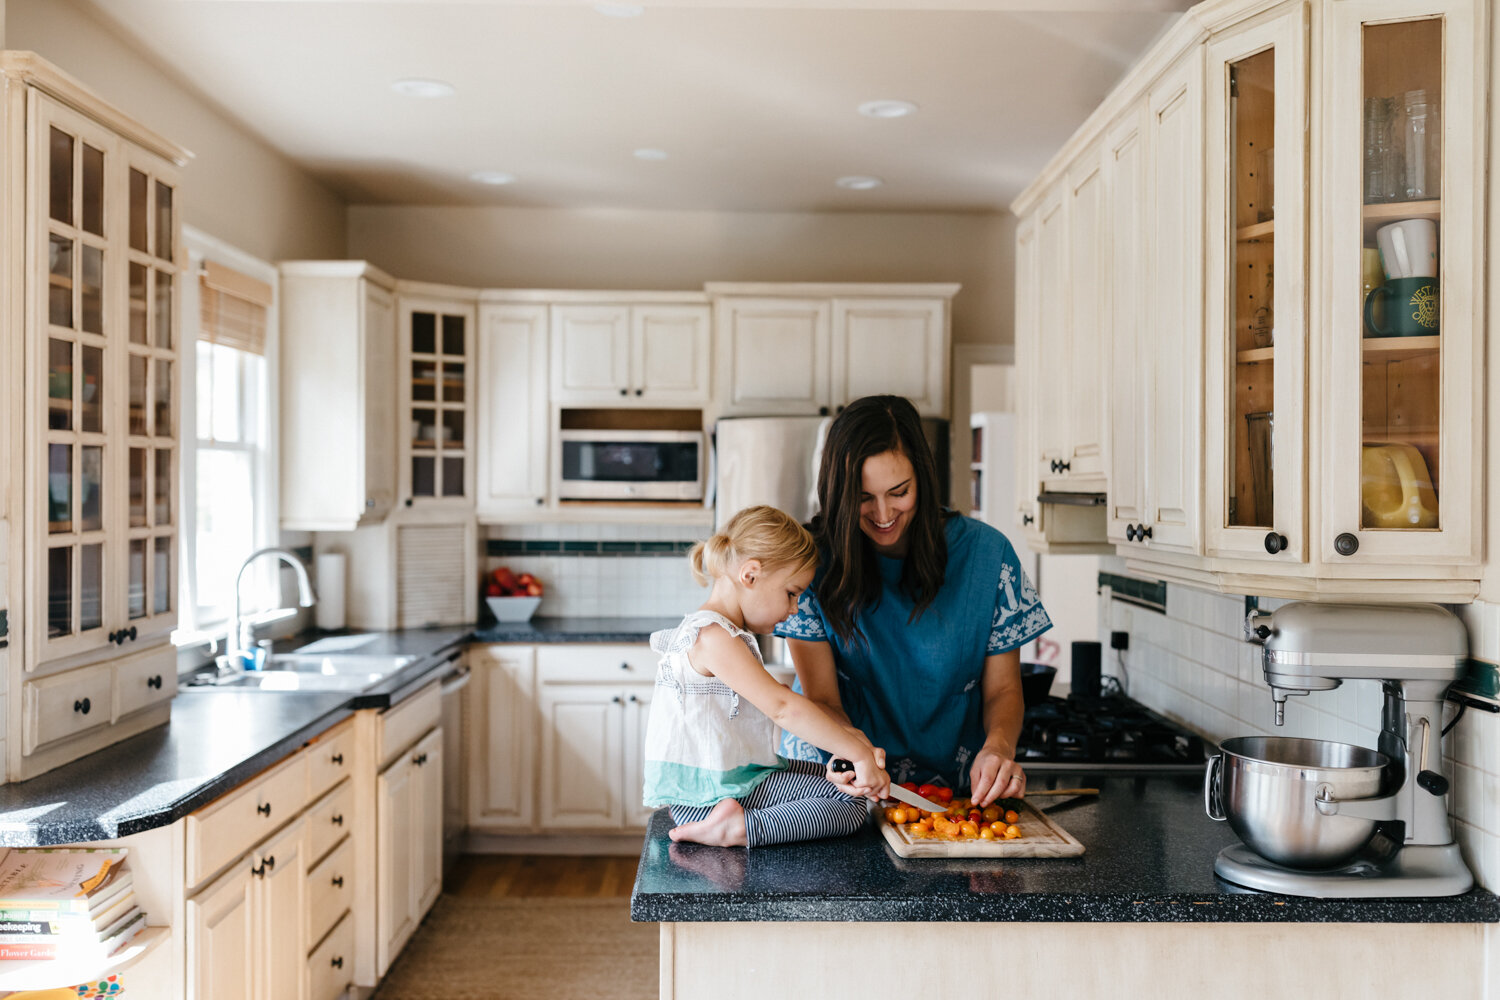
pixel 407 744
pixel 513 431
pixel 502 738
pixel 810 349
pixel 338 379
pixel 435 383
pixel 91 298
pixel 648 353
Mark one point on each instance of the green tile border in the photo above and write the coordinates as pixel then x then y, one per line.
pixel 1151 594
pixel 1482 681
pixel 4 628
pixel 501 547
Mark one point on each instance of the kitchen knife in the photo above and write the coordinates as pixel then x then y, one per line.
pixel 897 792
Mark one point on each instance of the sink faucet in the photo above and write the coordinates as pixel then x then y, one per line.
pixel 243 636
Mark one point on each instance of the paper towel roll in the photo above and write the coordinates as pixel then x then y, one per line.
pixel 330 609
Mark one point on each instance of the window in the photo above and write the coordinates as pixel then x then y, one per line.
pixel 228 481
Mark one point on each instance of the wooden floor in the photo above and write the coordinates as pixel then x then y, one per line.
pixel 495 876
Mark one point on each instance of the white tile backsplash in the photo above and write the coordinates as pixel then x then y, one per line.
pixel 1193 665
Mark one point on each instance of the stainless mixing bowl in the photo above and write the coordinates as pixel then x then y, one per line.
pixel 1267 787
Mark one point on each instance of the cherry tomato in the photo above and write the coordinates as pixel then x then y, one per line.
pixel 910 786
pixel 943 794
pixel 928 792
pixel 1011 816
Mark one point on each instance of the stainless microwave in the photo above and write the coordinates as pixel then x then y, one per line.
pixel 630 465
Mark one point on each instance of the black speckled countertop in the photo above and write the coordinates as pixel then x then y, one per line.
pixel 1149 857
pixel 540 630
pixel 218 738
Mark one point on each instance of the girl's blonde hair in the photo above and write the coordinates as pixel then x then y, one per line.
pixel 761 532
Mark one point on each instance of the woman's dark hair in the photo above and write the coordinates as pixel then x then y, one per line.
pixel 851 583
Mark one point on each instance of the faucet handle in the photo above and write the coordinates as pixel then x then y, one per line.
pixel 1256 630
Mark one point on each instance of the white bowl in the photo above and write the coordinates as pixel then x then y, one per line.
pixel 512 609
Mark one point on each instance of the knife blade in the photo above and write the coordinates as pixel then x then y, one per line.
pixel 897 792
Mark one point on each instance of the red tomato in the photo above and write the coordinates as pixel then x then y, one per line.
pixel 943 794
pixel 930 792
pixel 910 786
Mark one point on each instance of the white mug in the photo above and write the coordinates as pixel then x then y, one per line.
pixel 1408 248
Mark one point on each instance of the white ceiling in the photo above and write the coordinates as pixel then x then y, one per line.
pixel 753 103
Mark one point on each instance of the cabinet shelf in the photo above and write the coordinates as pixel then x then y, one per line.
pixel 1384 212
pixel 60 973
pixel 1400 348
pixel 1259 231
pixel 1256 354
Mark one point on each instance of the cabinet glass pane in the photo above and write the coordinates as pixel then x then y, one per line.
pixel 59 487
pixel 161 419
pixel 136 592
pixel 1401 400
pixel 453 336
pixel 164 331
pixel 59 384
pixel 424 381
pixel 59 592
pixel 424 428
pixel 161 576
pixel 138 303
pixel 60 281
pixel 453 382
pixel 60 177
pixel 93 190
pixel 423 333
pixel 423 476
pixel 453 429
pixel 1252 207
pixel 138 487
pixel 162 489
pixel 138 366
pixel 91 587
pixel 163 221
pixel 91 289
pixel 453 476
pixel 92 391
pixel 91 471
pixel 139 220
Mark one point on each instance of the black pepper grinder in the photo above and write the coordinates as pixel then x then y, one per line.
pixel 1085 678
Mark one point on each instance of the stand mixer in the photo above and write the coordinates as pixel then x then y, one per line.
pixel 1416 652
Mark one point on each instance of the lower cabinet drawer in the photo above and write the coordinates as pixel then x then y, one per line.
pixel 330 891
pixel 229 826
pixel 65 705
pixel 330 968
pixel 330 759
pixel 398 728
pixel 330 820
pixel 145 679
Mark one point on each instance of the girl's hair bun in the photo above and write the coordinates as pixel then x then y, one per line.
pixel 765 533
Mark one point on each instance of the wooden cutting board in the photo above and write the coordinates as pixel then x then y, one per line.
pixel 1041 837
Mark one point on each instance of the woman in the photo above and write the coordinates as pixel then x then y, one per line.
pixel 913 625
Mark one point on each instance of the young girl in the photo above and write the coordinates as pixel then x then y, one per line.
pixel 714 729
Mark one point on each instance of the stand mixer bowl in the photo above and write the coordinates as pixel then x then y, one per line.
pixel 1267 788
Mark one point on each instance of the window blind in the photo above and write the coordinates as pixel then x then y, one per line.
pixel 234 308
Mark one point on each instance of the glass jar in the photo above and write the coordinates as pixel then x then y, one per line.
pixel 1423 135
pixel 1378 186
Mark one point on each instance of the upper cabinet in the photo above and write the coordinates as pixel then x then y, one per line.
pixel 513 416
pixel 435 379
pixel 338 414
pixel 648 353
pixel 810 349
pixel 1292 332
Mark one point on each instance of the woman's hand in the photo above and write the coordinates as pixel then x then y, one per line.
pixel 995 775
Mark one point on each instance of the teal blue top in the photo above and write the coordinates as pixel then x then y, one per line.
pixel 914 688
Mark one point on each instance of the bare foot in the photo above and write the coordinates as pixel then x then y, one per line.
pixel 724 826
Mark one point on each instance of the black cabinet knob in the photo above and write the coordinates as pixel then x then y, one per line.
pixel 624 392
pixel 634 699
pixel 1275 543
pixel 822 411
pixel 638 392
pixel 1346 544
pixel 269 862
pixel 82 706
pixel 1064 466
pixel 1027 519
pixel 338 881
pixel 132 633
pixel 338 759
pixel 338 819
pixel 264 809
pixel 540 501
pixel 618 700
pixel 1130 532
pixel 408 501
pixel 338 963
pixel 259 872
pixel 111 637
pixel 154 681
pixel 1142 533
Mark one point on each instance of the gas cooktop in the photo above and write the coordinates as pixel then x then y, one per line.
pixel 1109 732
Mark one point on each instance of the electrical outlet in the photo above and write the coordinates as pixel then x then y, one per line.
pixel 1119 640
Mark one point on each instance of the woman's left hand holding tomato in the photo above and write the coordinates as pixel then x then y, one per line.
pixel 995 775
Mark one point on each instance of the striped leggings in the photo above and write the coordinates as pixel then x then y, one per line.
pixel 798 803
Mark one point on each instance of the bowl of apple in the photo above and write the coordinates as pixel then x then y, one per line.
pixel 512 597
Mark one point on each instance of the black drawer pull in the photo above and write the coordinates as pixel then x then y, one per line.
pixel 338 963
pixel 419 760
pixel 338 820
pixel 1130 532
pixel 338 881
pixel 154 681
pixel 1346 544
pixel 132 633
pixel 1027 519
pixel 269 862
pixel 338 759
pixel 259 872
pixel 1275 543
pixel 82 706
pixel 264 810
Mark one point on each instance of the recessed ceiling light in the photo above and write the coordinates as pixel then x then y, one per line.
pixel 492 177
pixel 423 88
pixel 887 109
pixel 859 183
pixel 650 154
pixel 620 9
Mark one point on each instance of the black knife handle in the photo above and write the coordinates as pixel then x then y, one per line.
pixel 841 765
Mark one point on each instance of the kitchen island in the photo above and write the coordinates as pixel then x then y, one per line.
pixel 1139 913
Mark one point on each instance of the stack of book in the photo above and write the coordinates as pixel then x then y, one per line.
pixel 66 904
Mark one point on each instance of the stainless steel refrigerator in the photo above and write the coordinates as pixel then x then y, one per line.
pixel 774 460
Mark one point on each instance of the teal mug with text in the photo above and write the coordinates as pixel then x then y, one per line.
pixel 1403 307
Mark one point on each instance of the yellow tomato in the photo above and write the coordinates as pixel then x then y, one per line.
pixel 970 828
pixel 1012 832
pixel 898 815
pixel 1011 816
pixel 991 813
pixel 986 833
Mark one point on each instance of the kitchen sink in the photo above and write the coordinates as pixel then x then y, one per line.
pixel 288 680
pixel 337 663
pixel 303 671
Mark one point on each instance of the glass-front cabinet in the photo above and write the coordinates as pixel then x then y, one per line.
pixel 1254 452
pixel 436 420
pixel 103 452
pixel 1402 385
